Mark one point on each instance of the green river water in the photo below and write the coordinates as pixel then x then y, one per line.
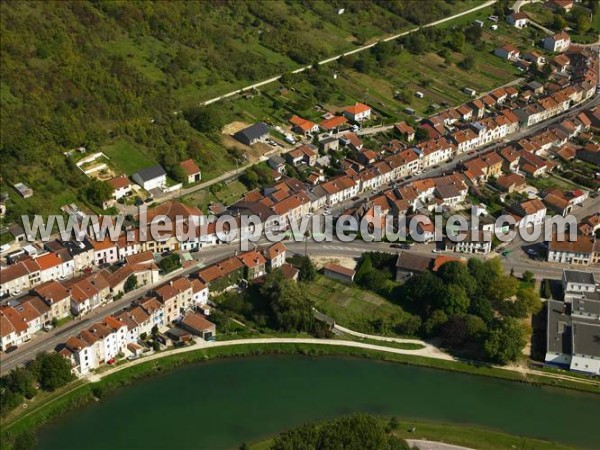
pixel 220 404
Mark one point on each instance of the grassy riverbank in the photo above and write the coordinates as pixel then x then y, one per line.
pixel 471 437
pixel 82 394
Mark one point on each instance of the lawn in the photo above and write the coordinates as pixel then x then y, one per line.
pixel 350 306
pixel 127 157
pixel 225 192
pixel 551 182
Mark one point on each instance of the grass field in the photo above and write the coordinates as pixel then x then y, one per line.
pixel 349 306
pixel 127 157
pixel 226 193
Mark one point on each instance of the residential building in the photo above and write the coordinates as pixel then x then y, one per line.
pixel 198 325
pixel 558 42
pixel 518 20
pixel 584 250
pixel 121 187
pixel 339 273
pixel 259 132
pixel 191 170
pixel 151 178
pixel 358 112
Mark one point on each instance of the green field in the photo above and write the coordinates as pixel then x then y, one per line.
pixel 224 192
pixel 350 306
pixel 127 157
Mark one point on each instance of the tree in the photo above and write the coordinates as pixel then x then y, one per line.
pixel 292 310
pixel 583 23
pixel 170 263
pixel 437 319
pixel 468 63
pixel 21 380
pixel 98 192
pixel 505 341
pixel 205 118
pixel 457 273
pixel 355 432
pixel 473 33
pixel 51 370
pixel 455 300
pixel 528 277
pixel 530 300
pixel 457 41
pixel 131 283
pixel 308 272
pixel 559 23
pixel 425 292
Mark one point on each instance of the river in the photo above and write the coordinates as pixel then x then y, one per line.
pixel 220 404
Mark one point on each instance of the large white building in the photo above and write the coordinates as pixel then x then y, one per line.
pixel 573 325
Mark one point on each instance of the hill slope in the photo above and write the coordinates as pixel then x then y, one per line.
pixel 89 73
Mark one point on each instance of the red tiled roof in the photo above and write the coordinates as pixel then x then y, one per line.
pixel 189 167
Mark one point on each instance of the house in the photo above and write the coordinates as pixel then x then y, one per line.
pixel 333 123
pixel 529 212
pixel 329 144
pixel 121 187
pixel 405 131
pixel 475 242
pixel 254 263
pixel 137 321
pixel 57 297
pixel 358 112
pixel 23 190
pixel 535 58
pixel 259 132
pixel 275 255
pixel 303 126
pixel 222 275
pixel 558 5
pixel 339 273
pixel 147 273
pixel 571 339
pixel 305 154
pixel 276 162
pixel 13 328
pixel 199 292
pixel 558 42
pixel 191 170
pixel 289 272
pixel 510 183
pixel 409 264
pixel 576 283
pixel 176 297
pixel 561 62
pixel 198 325
pixel 466 113
pixel 518 20
pixel 584 250
pixel 508 51
pixel 151 178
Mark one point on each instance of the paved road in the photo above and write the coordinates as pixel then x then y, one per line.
pixel 351 52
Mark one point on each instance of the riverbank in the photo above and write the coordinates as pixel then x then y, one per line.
pixel 161 363
pixel 463 436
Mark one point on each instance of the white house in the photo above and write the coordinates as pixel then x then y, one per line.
pixel 559 42
pixel 508 51
pixel 358 112
pixel 151 177
pixel 121 187
pixel 199 292
pixel 518 20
